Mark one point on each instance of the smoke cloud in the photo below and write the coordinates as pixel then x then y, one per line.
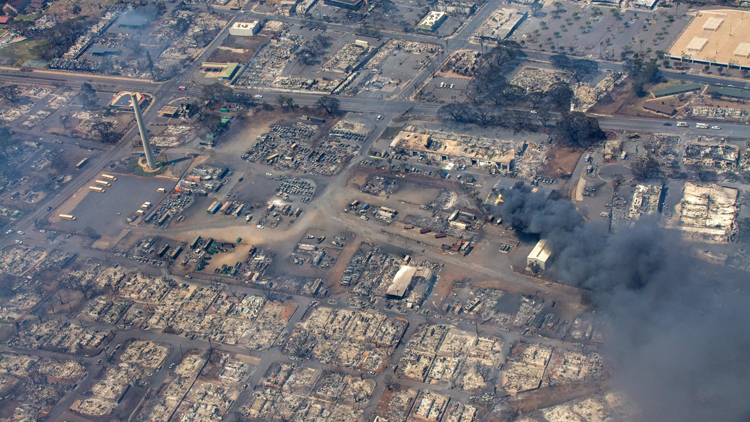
pixel 678 331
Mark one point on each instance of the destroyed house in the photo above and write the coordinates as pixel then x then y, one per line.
pixel 708 211
pixel 718 156
pixel 477 151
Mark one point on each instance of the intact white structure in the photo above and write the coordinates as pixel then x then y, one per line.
pixel 404 277
pixel 432 21
pixel 539 255
pixel 244 29
pixel 742 50
pixel 712 24
pixel 645 4
pixel 697 44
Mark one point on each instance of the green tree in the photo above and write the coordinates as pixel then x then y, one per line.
pixel 88 89
pixel 559 96
pixel 106 131
pixel 578 130
pixel 212 122
pixel 216 93
pixel 642 72
pixel 460 113
pixel 10 93
pixel 645 167
pixel 149 63
pixel 329 104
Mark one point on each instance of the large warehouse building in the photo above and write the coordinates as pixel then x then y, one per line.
pixel 720 37
pixel 539 255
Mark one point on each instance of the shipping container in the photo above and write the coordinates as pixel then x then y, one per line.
pixel 423 231
pixel 440 235
pixel 82 163
pixel 214 207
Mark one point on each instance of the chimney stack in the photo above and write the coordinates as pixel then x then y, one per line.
pixel 148 152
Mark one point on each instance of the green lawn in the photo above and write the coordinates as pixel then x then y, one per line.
pixel 31 17
pixel 138 170
pixel 23 50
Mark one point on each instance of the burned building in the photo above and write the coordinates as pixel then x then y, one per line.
pixel 719 156
pixel 442 146
pixel 708 212
pixel 646 200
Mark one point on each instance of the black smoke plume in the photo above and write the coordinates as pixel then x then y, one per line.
pixel 678 329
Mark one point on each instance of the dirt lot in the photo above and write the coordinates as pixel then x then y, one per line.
pixel 238 49
pixel 561 160
pixel 621 100
pixel 64 8
pixel 547 397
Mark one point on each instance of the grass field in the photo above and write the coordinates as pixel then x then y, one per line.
pixel 23 50
pixel 31 17
pixel 138 170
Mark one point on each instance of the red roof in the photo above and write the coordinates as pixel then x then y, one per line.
pixel 5 19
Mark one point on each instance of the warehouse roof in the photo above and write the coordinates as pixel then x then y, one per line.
pixel 122 100
pixel 726 91
pixel 401 281
pixel 646 3
pixel 675 89
pixel 742 50
pixel 697 44
pixel 541 251
pixel 168 110
pixel 100 51
pixel 227 69
pixel 132 20
pixel 712 24
pixel 245 25
pixel 658 107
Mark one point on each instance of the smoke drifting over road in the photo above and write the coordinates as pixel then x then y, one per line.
pixel 678 331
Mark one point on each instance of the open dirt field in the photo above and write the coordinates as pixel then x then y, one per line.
pixel 561 161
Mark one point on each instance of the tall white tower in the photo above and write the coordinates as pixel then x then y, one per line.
pixel 147 151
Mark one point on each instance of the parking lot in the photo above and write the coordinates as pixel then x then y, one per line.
pixel 106 212
pixel 602 32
